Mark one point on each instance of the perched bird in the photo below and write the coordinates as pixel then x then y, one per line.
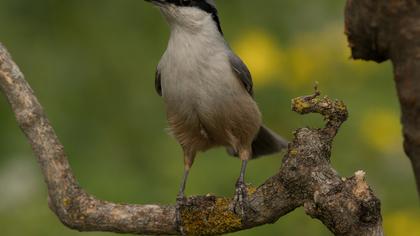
pixel 208 90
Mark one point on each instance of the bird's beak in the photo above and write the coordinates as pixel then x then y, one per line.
pixel 158 3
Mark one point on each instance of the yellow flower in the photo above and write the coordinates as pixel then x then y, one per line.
pixel 402 223
pixel 381 128
pixel 314 56
pixel 304 67
pixel 261 53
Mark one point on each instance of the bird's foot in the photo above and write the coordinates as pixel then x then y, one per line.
pixel 240 199
pixel 180 200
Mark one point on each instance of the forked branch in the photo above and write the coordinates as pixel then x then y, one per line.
pixel 347 206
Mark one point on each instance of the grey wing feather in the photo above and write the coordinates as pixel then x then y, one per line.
pixel 158 85
pixel 242 72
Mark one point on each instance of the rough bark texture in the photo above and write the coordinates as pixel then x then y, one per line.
pixel 347 206
pixel 390 29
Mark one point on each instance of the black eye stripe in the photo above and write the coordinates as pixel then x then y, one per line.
pixel 185 2
pixel 201 4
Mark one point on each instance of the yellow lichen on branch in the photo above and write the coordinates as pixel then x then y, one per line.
pixel 208 215
pixel 334 111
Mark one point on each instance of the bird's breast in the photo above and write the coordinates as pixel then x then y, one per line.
pixel 198 80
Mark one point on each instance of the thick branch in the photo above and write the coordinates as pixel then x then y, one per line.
pixel 73 206
pixel 381 30
pixel 345 206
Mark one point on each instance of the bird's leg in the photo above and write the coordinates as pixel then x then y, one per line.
pixel 181 191
pixel 241 189
pixel 188 161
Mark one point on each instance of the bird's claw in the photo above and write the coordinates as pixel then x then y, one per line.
pixel 240 198
pixel 180 199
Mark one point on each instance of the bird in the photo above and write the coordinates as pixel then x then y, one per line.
pixel 208 91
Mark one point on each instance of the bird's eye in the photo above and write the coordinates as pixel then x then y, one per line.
pixel 185 2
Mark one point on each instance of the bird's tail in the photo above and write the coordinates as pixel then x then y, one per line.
pixel 266 142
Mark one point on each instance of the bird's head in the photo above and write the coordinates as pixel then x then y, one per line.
pixel 189 14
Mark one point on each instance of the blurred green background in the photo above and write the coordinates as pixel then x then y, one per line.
pixel 92 64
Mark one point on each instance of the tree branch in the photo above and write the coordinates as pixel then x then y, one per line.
pixel 345 206
pixel 381 30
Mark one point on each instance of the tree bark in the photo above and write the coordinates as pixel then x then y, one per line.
pixel 347 206
pixel 390 29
